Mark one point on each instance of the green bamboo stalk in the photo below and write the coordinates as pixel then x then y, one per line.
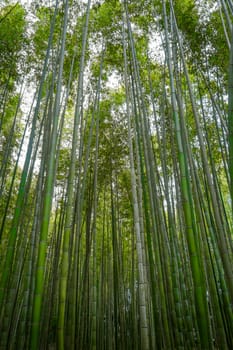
pixel 70 195
pixel 21 192
pixel 230 118
pixel 49 187
pixel 198 279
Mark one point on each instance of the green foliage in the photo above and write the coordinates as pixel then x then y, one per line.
pixel 106 19
pixel 188 21
pixel 42 28
pixel 12 42
pixel 112 135
pixel 141 14
pixel 219 54
pixel 10 132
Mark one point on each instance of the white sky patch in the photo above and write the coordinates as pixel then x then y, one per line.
pixel 28 3
pixel 25 107
pixel 114 81
pixel 156 50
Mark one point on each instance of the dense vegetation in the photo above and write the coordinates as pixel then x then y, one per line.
pixel 116 174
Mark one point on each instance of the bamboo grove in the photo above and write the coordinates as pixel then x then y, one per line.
pixel 116 174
